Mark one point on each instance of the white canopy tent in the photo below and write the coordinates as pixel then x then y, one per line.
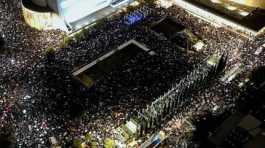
pixel 73 10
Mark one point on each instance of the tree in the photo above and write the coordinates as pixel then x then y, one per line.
pixel 88 137
pixel 109 143
pixel 66 41
pixel 77 143
pixel 50 54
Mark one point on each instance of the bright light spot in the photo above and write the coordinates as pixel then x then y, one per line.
pixel 26 97
pixel 216 1
pixel 243 2
pixel 215 108
pixel 131 126
pixel 24 111
pixel 12 61
pixel 243 13
pixel 259 50
pixel 166 4
pixel 198 46
pixel 135 3
pixel 152 53
pixel 231 8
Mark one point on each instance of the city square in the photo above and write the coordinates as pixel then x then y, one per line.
pixel 129 74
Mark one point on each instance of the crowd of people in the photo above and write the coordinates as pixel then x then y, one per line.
pixel 40 99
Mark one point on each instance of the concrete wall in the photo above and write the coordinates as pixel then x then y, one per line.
pixel 42 20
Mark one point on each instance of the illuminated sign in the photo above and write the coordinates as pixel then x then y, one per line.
pixel 137 16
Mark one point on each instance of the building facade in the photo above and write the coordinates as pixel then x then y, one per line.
pixel 70 11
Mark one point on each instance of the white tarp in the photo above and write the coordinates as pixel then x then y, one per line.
pixel 73 10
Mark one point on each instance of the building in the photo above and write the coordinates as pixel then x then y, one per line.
pixel 237 15
pixel 70 14
pixel 251 3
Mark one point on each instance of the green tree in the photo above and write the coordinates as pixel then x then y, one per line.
pixel 77 143
pixel 88 137
pixel 66 41
pixel 109 143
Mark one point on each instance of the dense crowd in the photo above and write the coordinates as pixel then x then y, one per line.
pixel 40 99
